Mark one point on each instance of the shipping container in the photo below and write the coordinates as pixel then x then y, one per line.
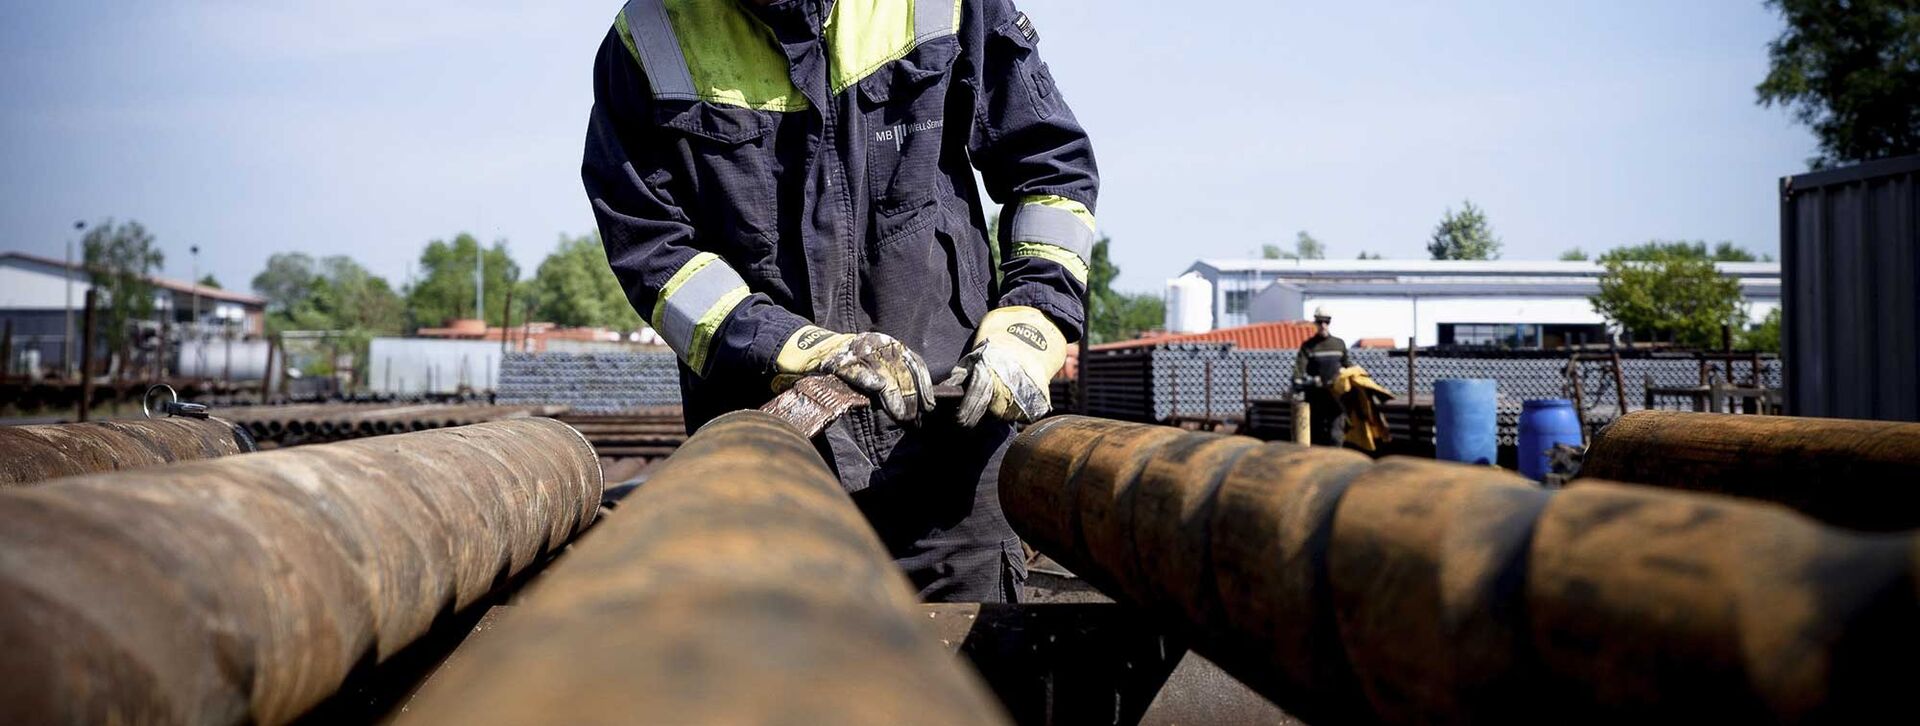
pixel 414 366
pixel 1850 250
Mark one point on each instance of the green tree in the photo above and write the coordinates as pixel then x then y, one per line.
pixel 1668 292
pixel 1574 255
pixel 347 297
pixel 1115 315
pixel 286 282
pixel 1364 255
pixel 208 280
pixel 120 260
pixel 445 289
pixel 1692 250
pixel 346 300
pixel 1851 71
pixel 1765 336
pixel 1305 247
pixel 1464 236
pixel 576 287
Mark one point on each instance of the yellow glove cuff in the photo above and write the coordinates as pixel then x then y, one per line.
pixel 803 353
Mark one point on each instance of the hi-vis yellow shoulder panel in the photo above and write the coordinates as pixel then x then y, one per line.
pixel 709 50
pixel 717 51
pixel 863 35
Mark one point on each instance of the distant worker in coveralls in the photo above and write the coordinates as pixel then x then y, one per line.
pixel 787 188
pixel 1318 364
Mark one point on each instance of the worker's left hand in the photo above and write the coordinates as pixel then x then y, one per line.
pixel 1015 355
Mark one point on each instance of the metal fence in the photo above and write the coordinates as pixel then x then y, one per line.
pixel 1215 381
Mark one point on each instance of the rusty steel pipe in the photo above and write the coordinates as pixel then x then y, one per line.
pixel 30 454
pixel 245 589
pixel 1411 591
pixel 739 585
pixel 1860 474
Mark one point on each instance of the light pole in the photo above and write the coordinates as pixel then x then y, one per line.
pixel 194 251
pixel 67 273
pixel 479 284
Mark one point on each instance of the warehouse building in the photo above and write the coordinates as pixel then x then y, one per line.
pixel 1518 304
pixel 42 298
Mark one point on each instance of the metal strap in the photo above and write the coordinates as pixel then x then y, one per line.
pixel 1053 226
pixel 659 50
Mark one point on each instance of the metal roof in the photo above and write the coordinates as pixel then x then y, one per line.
pixel 1453 268
pixel 185 288
pixel 1283 335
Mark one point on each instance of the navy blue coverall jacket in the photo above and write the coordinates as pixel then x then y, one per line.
pixel 757 168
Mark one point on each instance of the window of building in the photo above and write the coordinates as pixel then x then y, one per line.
pixel 1562 336
pixel 1491 335
pixel 1237 301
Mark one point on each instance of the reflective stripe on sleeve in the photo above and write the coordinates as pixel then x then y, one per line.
pixel 1055 228
pixel 693 304
pixel 654 43
pixel 1075 266
pixel 934 18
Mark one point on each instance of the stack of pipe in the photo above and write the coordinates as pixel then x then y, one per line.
pixel 1417 591
pixel 306 424
pixel 1859 474
pixel 30 454
pixel 245 589
pixel 642 435
pixel 739 585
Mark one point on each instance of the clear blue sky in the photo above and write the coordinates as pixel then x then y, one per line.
pixel 369 127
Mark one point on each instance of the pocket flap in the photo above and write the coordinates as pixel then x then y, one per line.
pixel 919 68
pixel 725 125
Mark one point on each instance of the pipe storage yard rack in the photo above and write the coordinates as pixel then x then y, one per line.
pixel 600 382
pixel 1215 385
pixel 487 569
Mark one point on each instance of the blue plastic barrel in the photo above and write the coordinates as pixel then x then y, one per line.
pixel 1543 423
pixel 1463 421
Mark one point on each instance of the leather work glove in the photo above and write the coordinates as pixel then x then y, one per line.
pixel 872 363
pixel 1015 354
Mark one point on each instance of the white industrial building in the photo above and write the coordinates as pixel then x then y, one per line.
pixel 1521 304
pixel 40 301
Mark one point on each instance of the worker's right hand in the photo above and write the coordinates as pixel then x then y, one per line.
pixel 872 363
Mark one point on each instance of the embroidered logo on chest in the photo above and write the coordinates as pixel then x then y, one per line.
pixel 898 133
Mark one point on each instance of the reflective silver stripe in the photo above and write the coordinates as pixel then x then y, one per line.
pixel 687 305
pixel 659 50
pixel 1054 226
pixel 932 18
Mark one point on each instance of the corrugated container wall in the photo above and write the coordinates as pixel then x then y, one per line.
pixel 1850 248
pixel 407 366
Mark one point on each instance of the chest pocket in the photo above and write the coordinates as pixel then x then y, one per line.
pixel 728 157
pixel 904 105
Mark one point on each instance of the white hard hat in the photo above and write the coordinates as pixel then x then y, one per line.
pixel 1321 312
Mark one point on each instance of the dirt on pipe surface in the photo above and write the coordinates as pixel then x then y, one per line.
pixel 1415 591
pixel 740 584
pixel 1859 474
pixel 30 454
pixel 245 589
